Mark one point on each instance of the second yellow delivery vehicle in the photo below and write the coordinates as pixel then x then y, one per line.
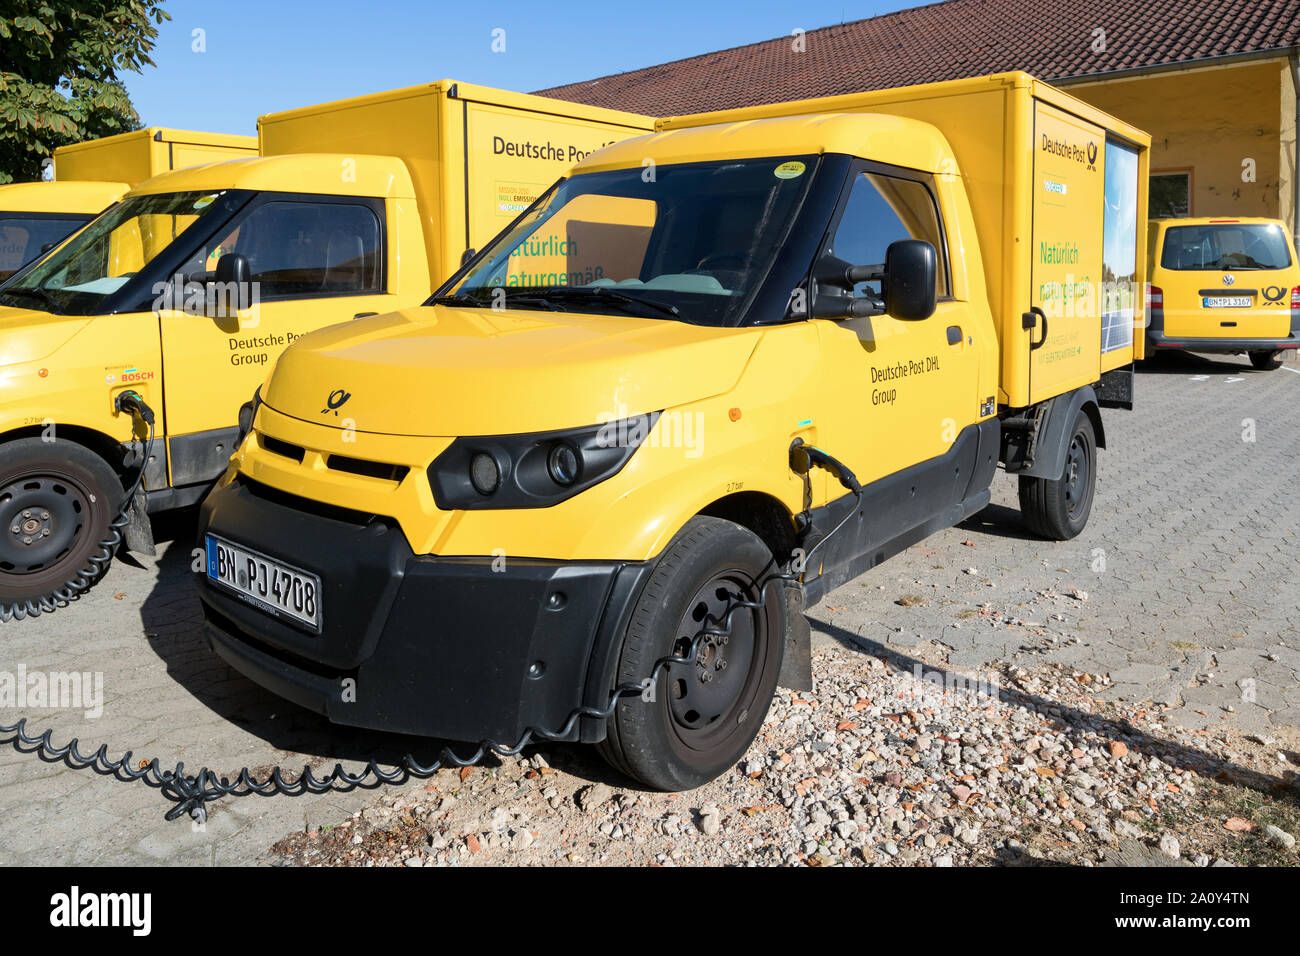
pixel 187 290
pixel 91 176
pixel 588 451
pixel 1223 286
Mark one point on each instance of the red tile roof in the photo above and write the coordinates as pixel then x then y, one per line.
pixel 1052 39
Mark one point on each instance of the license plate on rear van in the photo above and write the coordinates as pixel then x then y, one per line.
pixel 1226 301
pixel 274 586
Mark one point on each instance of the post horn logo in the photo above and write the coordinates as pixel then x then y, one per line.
pixel 1092 153
pixel 1274 293
pixel 338 398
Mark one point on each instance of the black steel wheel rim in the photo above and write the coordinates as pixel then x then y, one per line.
pixel 1078 468
pixel 709 698
pixel 42 517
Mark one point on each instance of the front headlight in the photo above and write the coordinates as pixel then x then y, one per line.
pixel 533 471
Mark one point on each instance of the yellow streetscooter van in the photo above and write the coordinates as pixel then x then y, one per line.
pixel 1224 286
pixel 478 518
pixel 91 176
pixel 35 217
pixel 188 289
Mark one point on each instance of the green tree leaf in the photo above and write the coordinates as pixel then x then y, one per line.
pixel 61 69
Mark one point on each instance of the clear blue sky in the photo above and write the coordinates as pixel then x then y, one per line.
pixel 280 54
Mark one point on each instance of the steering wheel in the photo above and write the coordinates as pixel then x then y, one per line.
pixel 741 262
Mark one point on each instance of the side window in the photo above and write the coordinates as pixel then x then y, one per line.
pixel 304 249
pixel 880 210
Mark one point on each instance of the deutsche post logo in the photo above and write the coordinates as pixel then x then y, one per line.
pixel 338 398
pixel 1274 293
pixel 1092 153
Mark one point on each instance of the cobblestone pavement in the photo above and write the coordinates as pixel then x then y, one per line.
pixel 1183 590
pixel 1185 586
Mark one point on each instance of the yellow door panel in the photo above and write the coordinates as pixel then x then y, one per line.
pixel 1066 266
pixel 311 263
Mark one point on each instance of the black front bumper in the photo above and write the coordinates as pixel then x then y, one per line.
pixel 471 649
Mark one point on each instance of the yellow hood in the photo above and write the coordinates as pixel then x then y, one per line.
pixel 27 336
pixel 445 372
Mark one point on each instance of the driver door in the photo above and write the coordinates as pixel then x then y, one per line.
pixel 904 391
pixel 313 261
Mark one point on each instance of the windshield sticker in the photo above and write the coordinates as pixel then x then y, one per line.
pixel 791 170
pixel 203 202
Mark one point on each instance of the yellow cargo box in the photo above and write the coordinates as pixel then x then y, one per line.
pixel 477 156
pixel 1058 193
pixel 136 156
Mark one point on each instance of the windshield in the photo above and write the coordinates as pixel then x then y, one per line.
pixel 23 236
pixel 1225 246
pixel 690 241
pixel 79 277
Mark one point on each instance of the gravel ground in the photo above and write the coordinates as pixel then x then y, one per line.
pixel 890 761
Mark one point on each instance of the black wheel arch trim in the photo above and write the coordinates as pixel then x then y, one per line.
pixel 1055 431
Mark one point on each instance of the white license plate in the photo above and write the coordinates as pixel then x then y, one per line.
pixel 1226 301
pixel 274 586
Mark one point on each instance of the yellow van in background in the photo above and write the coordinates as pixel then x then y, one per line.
pixel 91 176
pixel 1223 285
pixel 35 217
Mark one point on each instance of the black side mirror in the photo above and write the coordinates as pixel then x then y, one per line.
pixel 233 267
pixel 47 247
pixel 467 255
pixel 911 268
pixel 233 289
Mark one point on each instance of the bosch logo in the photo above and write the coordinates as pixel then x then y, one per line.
pixel 338 398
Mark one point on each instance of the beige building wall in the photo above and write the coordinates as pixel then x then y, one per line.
pixel 1232 126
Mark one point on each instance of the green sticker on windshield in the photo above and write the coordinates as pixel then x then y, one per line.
pixel 203 202
pixel 790 170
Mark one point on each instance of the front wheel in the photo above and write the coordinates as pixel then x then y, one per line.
pixel 1266 361
pixel 1058 508
pixel 704 714
pixel 56 502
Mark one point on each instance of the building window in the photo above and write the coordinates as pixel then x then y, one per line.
pixel 1171 195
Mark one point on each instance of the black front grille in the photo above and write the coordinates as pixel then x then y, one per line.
pixel 370 469
pixel 278 447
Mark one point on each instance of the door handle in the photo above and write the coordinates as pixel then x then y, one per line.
pixel 954 335
pixel 363 315
pixel 1029 321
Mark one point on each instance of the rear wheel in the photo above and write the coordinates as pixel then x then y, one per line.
pixel 704 714
pixel 56 502
pixel 1058 508
pixel 1266 361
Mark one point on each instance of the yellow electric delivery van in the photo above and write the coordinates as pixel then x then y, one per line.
pixel 187 290
pixel 588 450
pixel 1223 286
pixel 91 176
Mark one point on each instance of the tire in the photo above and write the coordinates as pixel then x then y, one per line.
pixel 696 728
pixel 1266 361
pixel 1058 508
pixel 57 500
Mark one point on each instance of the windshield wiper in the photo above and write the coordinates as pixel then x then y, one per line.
pixel 459 298
pixel 540 299
pixel 610 295
pixel 37 293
